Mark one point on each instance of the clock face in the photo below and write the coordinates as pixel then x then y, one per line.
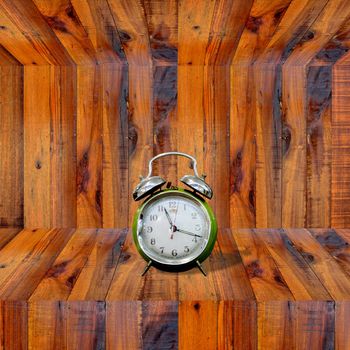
pixel 173 229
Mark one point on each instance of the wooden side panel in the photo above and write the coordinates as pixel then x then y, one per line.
pixel 115 146
pixel 340 205
pixel 11 145
pixel 86 324
pixel 123 325
pixel 7 234
pixel 342 319
pixel 319 146
pixel 194 328
pixel 47 325
pixel 216 139
pixel 37 111
pixel 89 147
pixel 15 318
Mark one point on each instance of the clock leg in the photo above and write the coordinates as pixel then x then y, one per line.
pixel 147 268
pixel 201 268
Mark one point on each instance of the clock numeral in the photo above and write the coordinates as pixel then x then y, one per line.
pixel 153 217
pixel 172 205
pixel 197 227
pixel 186 249
pixel 185 207
pixel 174 252
pixel 161 250
pixel 160 208
pixel 194 215
pixel 153 241
pixel 148 229
pixel 194 239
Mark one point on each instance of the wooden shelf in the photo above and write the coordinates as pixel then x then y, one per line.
pixel 276 289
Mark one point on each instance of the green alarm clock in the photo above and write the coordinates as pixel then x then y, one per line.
pixel 174 229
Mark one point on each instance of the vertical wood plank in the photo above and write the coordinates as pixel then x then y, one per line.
pixel 47 325
pixel 319 148
pixel 115 146
pixel 340 206
pixel 342 319
pixel 37 197
pixel 194 328
pixel 123 325
pixel 89 147
pixel 140 127
pixel 63 146
pixel 216 139
pixel 86 324
pixel 1 325
pixel 11 145
pixel 15 317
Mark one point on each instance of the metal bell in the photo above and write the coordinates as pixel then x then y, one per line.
pixel 197 184
pixel 147 186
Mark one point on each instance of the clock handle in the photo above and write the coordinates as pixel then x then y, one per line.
pixel 193 161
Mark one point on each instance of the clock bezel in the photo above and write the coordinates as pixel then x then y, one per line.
pixel 212 229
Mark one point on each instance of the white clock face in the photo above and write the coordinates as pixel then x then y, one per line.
pixel 173 229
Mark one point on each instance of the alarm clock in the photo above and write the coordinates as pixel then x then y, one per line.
pixel 174 228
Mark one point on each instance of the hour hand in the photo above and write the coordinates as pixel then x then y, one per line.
pixel 188 233
pixel 169 218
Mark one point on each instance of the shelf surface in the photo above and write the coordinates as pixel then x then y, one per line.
pixel 266 287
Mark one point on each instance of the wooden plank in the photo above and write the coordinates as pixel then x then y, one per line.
pixel 242 147
pixel 340 213
pixel 29 21
pixel 7 234
pixel 194 23
pixel 237 325
pixel 115 146
pixel 97 20
pixel 216 140
pixel 63 146
pixel 194 328
pixel 229 19
pixel 130 19
pixel 95 277
pixel 300 278
pixel 63 20
pixel 89 147
pixel 11 145
pixel 23 281
pixel 37 111
pixel 318 143
pixel 1 326
pixel 342 319
pixel 22 244
pixel 326 268
pixel 268 145
pixel 140 127
pixel 15 42
pixel 15 318
pixel 335 245
pixel 123 325
pixel 47 325
pixel 226 265
pixel 165 120
pixel 162 21
pixel 61 277
pixel 265 277
pixel 163 314
pixel 86 324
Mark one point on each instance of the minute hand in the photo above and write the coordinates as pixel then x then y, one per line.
pixel 188 233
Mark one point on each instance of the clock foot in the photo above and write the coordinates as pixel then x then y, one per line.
pixel 201 268
pixel 147 268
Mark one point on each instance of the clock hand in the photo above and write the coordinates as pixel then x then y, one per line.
pixel 169 218
pixel 188 233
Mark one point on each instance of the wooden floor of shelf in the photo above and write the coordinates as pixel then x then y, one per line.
pixel 266 289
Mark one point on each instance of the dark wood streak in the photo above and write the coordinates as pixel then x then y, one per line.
pixel 236 173
pixel 159 44
pixel 83 175
pixel 253 23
